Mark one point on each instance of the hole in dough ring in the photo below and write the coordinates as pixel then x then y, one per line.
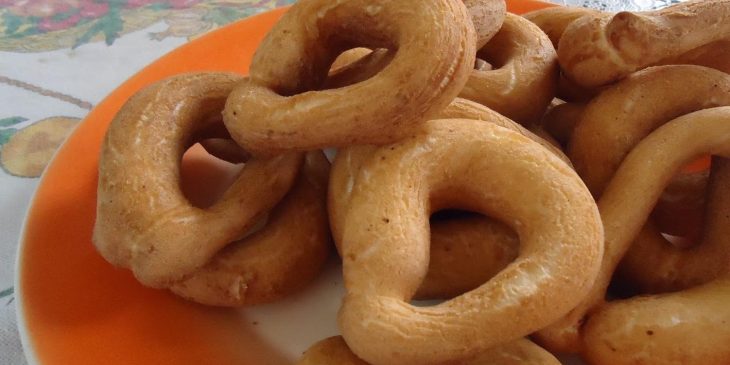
pixel 464 253
pixel 386 240
pixel 282 257
pixel 144 222
pixel 282 107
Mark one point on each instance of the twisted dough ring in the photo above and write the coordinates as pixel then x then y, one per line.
pixel 688 327
pixel 679 210
pixel 597 132
pixel 623 115
pixel 334 351
pixel 464 161
pixel 143 220
pixel 465 252
pixel 521 87
pixel 525 76
pixel 598 50
pixel 280 108
pixel 601 141
pixel 287 253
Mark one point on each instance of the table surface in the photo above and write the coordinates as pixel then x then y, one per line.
pixel 59 58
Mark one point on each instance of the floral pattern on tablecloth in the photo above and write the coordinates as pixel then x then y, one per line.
pixel 41 25
pixel 58 58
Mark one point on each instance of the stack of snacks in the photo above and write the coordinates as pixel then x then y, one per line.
pixel 444 105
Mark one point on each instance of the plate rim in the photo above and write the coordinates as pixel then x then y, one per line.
pixel 27 346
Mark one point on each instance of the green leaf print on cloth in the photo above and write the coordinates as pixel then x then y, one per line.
pixel 5 131
pixel 7 122
pixel 7 293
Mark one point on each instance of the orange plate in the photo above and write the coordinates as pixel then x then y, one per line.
pixel 75 308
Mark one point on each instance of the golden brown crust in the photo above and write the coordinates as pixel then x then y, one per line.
pixel 143 221
pixel 604 48
pixel 621 116
pixel 481 247
pixel 385 243
pixel 525 74
pixel 615 121
pixel 628 200
pixel 687 327
pixel 695 318
pixel 281 108
pixel 280 258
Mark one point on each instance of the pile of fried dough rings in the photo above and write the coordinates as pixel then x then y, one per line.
pixel 558 180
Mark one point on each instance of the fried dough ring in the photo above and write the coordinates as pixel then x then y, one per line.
pixel 334 351
pixel 525 74
pixel 679 328
pixel 623 115
pixel 654 266
pixel 286 254
pixel 633 330
pixel 143 221
pixel 486 15
pixel 464 253
pixel 558 256
pixel 280 109
pixel 611 125
pixel 679 210
pixel 601 49
pixel 601 141
pixel 627 202
pixel 553 21
pixel 521 87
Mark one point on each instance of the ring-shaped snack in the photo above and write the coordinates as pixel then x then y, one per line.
pixel 280 258
pixel 600 49
pixel 651 327
pixel 625 207
pixel 525 74
pixel 640 104
pixel 281 107
pixel 465 252
pixel 143 220
pixel 386 240
pixel 621 116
